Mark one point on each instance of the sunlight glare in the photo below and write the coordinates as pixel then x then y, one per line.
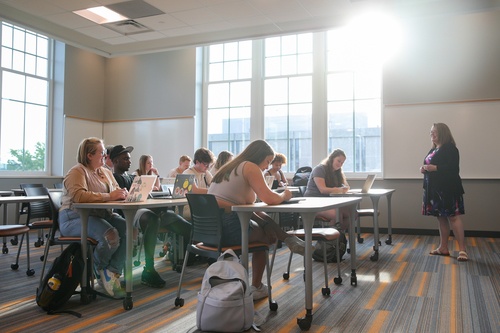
pixel 379 34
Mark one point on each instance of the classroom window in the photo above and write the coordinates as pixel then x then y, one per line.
pixel 288 97
pixel 229 96
pixel 354 101
pixel 25 84
pixel 299 83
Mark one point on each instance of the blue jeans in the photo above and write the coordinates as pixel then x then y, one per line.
pixel 106 255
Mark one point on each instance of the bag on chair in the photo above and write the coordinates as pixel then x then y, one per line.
pixel 331 253
pixel 301 176
pixel 225 302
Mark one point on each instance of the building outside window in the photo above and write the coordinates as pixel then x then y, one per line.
pixel 279 97
pixel 24 108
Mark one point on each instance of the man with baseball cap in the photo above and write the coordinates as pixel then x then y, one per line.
pixel 146 219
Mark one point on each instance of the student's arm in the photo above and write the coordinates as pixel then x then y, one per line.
pixel 253 175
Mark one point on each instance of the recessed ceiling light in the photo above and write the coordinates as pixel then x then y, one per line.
pixel 100 15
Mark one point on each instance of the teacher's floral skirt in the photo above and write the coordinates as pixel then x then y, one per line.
pixel 437 204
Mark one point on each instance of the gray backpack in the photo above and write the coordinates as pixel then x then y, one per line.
pixel 225 302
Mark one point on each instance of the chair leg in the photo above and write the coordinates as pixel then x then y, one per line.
pixel 338 280
pixel 286 275
pixel 273 306
pixel 178 300
pixel 326 290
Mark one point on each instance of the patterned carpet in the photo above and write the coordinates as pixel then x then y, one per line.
pixel 406 290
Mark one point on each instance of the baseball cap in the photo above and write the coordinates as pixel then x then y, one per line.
pixel 118 150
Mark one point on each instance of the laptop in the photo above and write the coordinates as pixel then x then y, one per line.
pixel 165 192
pixel 140 188
pixel 183 184
pixel 366 186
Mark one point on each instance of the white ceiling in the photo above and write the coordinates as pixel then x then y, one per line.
pixel 199 22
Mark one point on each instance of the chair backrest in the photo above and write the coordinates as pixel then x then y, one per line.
pixel 55 205
pixel 206 217
pixel 58 185
pixel 40 209
pixel 27 185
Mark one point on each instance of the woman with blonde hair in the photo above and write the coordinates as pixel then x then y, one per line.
pixel 90 181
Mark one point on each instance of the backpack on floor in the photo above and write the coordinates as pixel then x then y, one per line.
pixel 225 301
pixel 301 176
pixel 61 281
pixel 331 252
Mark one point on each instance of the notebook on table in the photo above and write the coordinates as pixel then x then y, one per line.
pixel 140 188
pixel 183 184
pixel 366 186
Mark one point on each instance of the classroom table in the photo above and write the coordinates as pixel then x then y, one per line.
pixel 375 195
pixel 307 208
pixel 5 200
pixel 129 209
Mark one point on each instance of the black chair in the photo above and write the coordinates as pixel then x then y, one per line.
pixel 24 210
pixel 206 238
pixel 54 238
pixel 39 217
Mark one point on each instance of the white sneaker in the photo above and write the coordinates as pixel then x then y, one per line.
pixel 295 245
pixel 259 293
pixel 107 279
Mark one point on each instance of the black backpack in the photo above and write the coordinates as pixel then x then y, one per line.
pixel 331 252
pixel 61 281
pixel 301 176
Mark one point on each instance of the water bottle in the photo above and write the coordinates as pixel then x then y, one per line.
pixel 54 282
pixel 47 294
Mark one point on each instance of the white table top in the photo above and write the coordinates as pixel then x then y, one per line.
pixel 370 193
pixel 21 199
pixel 149 203
pixel 309 204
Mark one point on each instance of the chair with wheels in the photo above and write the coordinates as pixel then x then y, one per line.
pixel 206 238
pixel 39 217
pixel 24 210
pixel 55 238
pixel 363 212
pixel 319 234
pixel 15 230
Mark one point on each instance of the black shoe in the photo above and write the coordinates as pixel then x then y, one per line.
pixel 151 278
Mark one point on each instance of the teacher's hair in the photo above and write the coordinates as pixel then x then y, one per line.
pixel 444 134
pixel 255 152
pixel 87 146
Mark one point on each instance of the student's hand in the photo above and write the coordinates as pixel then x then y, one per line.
pixel 286 195
pixel 345 189
pixel 118 194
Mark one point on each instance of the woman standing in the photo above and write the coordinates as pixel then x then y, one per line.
pixel 443 191
pixel 328 177
pixel 90 181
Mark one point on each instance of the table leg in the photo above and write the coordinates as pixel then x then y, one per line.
pixel 308 220
pixel 5 249
pixel 245 222
pixel 129 217
pixel 388 241
pixel 376 241
pixel 352 244
pixel 84 296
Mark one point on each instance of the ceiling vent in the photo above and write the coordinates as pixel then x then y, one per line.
pixel 127 27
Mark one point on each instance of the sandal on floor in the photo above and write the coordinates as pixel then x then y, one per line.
pixel 436 252
pixel 462 256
